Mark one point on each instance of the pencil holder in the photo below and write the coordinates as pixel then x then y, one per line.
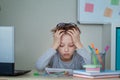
pixel 96 65
pixel 98 59
pixel 101 59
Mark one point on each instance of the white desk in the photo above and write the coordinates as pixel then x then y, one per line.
pixel 31 76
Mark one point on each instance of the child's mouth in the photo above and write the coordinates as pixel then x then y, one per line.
pixel 66 54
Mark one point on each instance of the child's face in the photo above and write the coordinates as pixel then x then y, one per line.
pixel 66 48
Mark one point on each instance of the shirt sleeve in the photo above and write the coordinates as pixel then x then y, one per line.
pixel 84 53
pixel 44 60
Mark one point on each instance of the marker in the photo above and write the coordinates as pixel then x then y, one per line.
pixel 100 59
pixel 92 45
pixel 106 49
pixel 99 56
pixel 94 58
pixel 97 51
pixel 36 74
pixel 91 49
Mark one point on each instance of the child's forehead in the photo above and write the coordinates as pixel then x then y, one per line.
pixel 67 38
pixel 66 35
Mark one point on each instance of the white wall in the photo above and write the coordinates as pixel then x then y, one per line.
pixel 106 35
pixel 33 20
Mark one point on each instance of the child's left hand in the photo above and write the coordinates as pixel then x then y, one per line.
pixel 76 37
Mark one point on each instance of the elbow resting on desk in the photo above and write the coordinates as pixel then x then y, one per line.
pixel 39 66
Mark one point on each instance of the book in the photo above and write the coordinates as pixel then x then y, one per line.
pixel 59 70
pixel 92 69
pixel 105 72
pixel 96 77
pixel 92 66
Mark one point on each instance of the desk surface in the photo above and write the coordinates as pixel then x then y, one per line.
pixel 31 76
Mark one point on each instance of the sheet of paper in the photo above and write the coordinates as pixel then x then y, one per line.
pixel 89 7
pixel 108 12
pixel 51 70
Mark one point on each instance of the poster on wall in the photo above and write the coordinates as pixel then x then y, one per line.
pixel 98 11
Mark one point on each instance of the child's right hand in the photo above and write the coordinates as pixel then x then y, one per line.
pixel 57 35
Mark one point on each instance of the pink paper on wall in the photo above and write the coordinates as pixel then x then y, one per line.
pixel 89 7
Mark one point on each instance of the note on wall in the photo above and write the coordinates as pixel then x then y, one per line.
pixel 98 11
pixel 115 2
pixel 108 12
pixel 89 7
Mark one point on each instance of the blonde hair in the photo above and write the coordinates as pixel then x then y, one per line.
pixel 65 27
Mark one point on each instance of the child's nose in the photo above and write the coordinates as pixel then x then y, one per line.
pixel 66 49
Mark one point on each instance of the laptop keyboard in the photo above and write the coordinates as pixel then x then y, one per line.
pixel 21 72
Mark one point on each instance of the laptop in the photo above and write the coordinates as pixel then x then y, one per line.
pixel 7 61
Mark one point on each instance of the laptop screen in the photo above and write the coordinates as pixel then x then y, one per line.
pixel 6 49
pixel 7 44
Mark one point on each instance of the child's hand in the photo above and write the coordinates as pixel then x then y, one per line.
pixel 76 37
pixel 57 35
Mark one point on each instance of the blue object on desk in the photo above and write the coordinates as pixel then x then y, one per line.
pixel 117 48
pixel 105 72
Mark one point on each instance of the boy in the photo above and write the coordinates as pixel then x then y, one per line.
pixel 67 50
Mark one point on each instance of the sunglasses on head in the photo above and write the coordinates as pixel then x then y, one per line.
pixel 64 24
